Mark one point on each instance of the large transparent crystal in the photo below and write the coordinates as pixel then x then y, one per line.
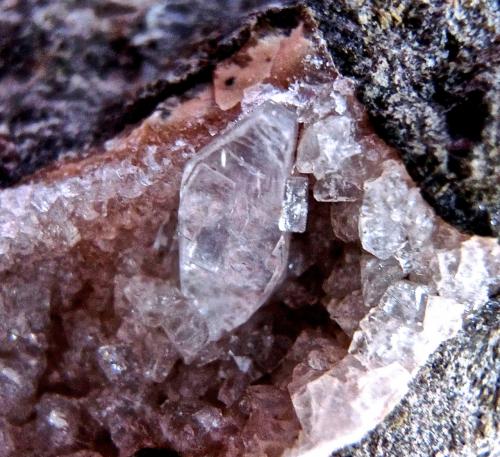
pixel 232 252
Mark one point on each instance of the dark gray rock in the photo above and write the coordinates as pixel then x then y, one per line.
pixel 452 406
pixel 75 73
pixel 429 76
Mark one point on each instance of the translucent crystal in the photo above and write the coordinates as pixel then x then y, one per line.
pixel 471 273
pixel 57 423
pixel 271 406
pixel 340 406
pixel 345 273
pixel 114 361
pixel 348 311
pixel 334 187
pixel 443 319
pixel 392 331
pixel 232 252
pixel 325 144
pixel 382 219
pixel 344 219
pixel 377 275
pixel 159 304
pixel 306 358
pixel 294 211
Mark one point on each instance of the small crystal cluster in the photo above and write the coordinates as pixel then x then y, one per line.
pixel 417 278
pixel 105 350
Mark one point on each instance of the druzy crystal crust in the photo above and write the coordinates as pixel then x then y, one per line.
pixel 232 251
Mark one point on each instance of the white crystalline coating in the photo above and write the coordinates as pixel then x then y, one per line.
pixel 232 252
pixel 294 211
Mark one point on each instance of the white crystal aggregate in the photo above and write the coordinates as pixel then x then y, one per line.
pixel 414 269
pixel 397 323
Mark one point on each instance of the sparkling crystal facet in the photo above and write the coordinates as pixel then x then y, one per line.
pixel 232 252
pixel 294 211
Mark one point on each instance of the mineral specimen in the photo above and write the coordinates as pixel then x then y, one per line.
pixel 102 353
pixel 408 319
pixel 232 252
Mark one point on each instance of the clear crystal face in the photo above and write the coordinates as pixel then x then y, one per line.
pixel 232 251
pixel 294 211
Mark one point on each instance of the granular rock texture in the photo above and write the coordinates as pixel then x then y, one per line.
pixel 429 78
pixel 67 69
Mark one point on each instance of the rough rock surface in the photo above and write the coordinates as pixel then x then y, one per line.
pixel 429 77
pixel 427 73
pixel 68 68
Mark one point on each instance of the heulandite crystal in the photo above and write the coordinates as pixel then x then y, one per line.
pixel 232 251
